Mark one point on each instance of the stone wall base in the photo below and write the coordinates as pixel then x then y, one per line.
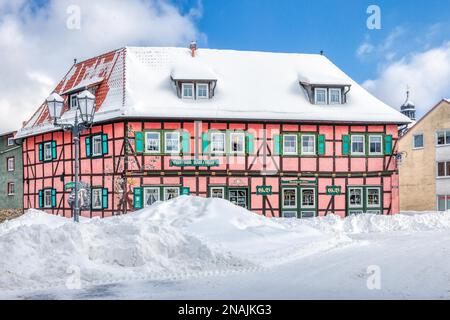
pixel 8 214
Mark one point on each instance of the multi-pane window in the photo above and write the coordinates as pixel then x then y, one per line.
pixel 202 91
pixel 73 101
pixel 217 192
pixel 188 90
pixel 153 142
pixel 97 198
pixel 48 151
pixel 443 138
pixel 355 197
pixel 47 198
pixel 290 144
pixel 443 169
pixel 358 142
pixel 97 145
pixel 11 164
pixel 151 195
pixel 308 144
pixel 172 142
pixel 373 197
pixel 418 141
pixel 443 203
pixel 11 189
pixel 335 96
pixel 367 199
pixel 375 144
pixel 10 141
pixel 237 142
pixel 320 95
pixel 290 198
pixel 308 198
pixel 171 193
pixel 218 142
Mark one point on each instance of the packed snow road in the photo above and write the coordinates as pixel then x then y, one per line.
pixel 194 248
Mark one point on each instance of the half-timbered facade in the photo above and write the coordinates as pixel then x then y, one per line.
pixel 280 134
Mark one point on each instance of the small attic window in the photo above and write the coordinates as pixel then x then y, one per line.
pixel 202 91
pixel 320 95
pixel 335 96
pixel 187 90
pixel 73 101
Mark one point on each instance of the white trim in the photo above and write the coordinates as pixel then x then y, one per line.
pixel 182 90
pixel 315 96
pixel 159 142
pixel 224 135
pixel 178 144
pixel 362 198
pixel 414 140
pixel 231 142
pixel 167 188
pixel 363 142
pixel 296 144
pixel 379 197
pixel 283 206
pixel 101 145
pixel 100 190
pixel 314 152
pixel 381 144
pixel 10 141
pixel 221 188
pixel 301 199
pixel 49 191
pixel 9 162
pixel 340 95
pixel 146 189
pixel 73 97
pixel 7 188
pixel 289 212
pixel 198 85
pixel 44 151
pixel 445 138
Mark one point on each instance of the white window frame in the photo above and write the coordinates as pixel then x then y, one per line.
pixel 178 144
pixel 166 195
pixel 301 199
pixel 10 141
pixel 100 193
pixel 159 142
pixel 222 189
pixel 446 173
pixel 188 84
pixel 222 134
pixel 50 155
pixel 283 206
pixel 340 95
pixel 362 198
pixel 232 134
pixel 308 153
pixel 146 190
pixel 294 213
pixel 303 212
pixel 363 142
pixel 296 144
pixel 72 99
pixel 446 143
pixel 315 96
pixel 97 139
pixel 381 144
pixel 45 193
pixel 11 164
pixel 414 141
pixel 198 90
pixel 379 197
pixel 8 191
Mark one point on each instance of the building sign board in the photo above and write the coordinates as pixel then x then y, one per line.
pixel 194 163
pixel 264 190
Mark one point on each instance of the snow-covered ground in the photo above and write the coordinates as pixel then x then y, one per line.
pixel 196 248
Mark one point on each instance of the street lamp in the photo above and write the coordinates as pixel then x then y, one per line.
pixel 85 111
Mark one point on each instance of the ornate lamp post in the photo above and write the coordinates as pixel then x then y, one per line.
pixel 84 117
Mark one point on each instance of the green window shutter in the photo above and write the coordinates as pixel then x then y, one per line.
pixel 139 142
pixel 250 143
pixel 321 145
pixel 41 199
pixel 388 145
pixel 345 145
pixel 205 142
pixel 105 144
pixel 105 198
pixel 88 147
pixel 277 145
pixel 53 198
pixel 41 152
pixel 186 141
pixel 54 155
pixel 138 200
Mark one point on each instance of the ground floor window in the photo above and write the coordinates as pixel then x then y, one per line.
pixel 217 192
pixel 47 198
pixel 237 196
pixel 147 196
pixel 367 199
pixel 171 193
pixel 443 203
pixel 151 195
pixel 298 202
pixel 11 189
pixel 99 198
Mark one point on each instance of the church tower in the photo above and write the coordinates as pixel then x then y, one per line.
pixel 408 108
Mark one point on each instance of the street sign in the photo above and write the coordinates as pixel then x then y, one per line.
pixel 333 190
pixel 194 163
pixel 69 185
pixel 264 190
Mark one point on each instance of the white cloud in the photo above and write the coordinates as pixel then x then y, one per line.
pixel 38 48
pixel 427 73
pixel 385 49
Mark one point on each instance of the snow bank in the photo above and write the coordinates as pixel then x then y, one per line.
pixel 188 236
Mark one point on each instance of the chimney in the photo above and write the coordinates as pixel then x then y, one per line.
pixel 193 48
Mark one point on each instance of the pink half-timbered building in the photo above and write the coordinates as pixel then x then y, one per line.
pixel 280 134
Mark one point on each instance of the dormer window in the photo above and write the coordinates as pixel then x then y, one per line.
pixel 320 95
pixel 73 102
pixel 335 96
pixel 202 91
pixel 188 90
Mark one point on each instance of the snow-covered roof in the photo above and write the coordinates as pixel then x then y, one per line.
pixel 137 82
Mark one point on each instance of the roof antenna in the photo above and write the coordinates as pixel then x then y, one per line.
pixel 75 61
pixel 321 52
